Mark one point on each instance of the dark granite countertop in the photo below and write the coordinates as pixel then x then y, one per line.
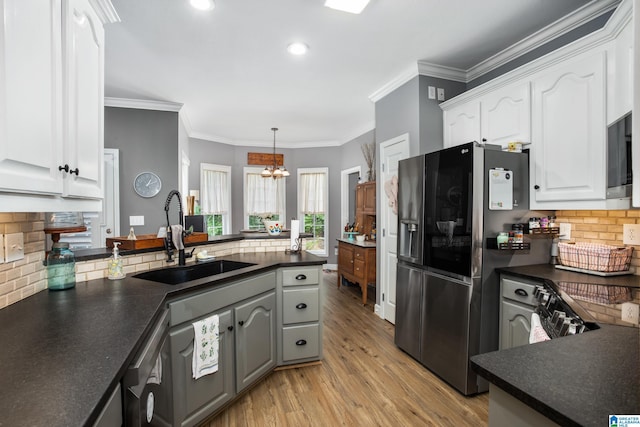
pixel 64 352
pixel 364 244
pixel 549 272
pixel 576 380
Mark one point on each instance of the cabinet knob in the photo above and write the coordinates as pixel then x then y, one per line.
pixel 230 328
pixel 301 277
pixel 536 187
pixel 301 306
pixel 64 168
pixel 301 342
pixel 521 292
pixel 241 322
pixel 76 171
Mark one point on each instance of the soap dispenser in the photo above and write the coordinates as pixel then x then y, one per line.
pixel 115 264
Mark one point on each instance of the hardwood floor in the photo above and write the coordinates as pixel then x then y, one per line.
pixel 364 380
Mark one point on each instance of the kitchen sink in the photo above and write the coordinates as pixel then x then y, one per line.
pixel 177 275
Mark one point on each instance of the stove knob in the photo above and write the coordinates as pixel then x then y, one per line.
pixel 537 290
pixel 556 314
pixel 543 297
pixel 559 320
pixel 564 329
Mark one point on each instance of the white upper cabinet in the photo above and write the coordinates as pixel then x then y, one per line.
pixel 30 97
pixel 569 131
pixel 52 104
pixel 506 115
pixel 83 54
pixel 462 124
pixel 620 75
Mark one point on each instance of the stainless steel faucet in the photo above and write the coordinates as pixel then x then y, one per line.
pixel 168 241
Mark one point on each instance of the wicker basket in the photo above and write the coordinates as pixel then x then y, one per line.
pixel 596 257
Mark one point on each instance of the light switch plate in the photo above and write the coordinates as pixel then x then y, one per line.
pixel 565 231
pixel 440 94
pixel 432 92
pixel 1 248
pixel 14 247
pixel 136 220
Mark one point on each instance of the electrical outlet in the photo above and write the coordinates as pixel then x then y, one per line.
pixel 432 92
pixel 13 247
pixel 630 312
pixel 440 94
pixel 631 234
pixel 565 231
pixel 1 248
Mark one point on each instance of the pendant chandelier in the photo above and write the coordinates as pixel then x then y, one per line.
pixel 274 171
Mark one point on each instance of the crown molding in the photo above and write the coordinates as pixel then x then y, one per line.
pixel 552 31
pixel 368 127
pixel 105 10
pixel 440 71
pixel 142 104
pixel 209 137
pixel 394 84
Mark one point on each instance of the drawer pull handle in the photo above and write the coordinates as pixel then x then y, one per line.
pixel 521 292
pixel 241 322
pixel 301 277
pixel 301 342
pixel 301 306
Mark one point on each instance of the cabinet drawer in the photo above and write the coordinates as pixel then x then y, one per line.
pixel 300 342
pixel 193 307
pixel 360 253
pixel 518 290
pixel 300 276
pixel 359 268
pixel 300 305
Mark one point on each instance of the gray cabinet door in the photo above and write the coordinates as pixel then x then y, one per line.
pixel 197 399
pixel 255 338
pixel 515 325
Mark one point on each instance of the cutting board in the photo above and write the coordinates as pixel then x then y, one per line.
pixel 149 241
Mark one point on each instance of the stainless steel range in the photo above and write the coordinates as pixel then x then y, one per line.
pixel 556 316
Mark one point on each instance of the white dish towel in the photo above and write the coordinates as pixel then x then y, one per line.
pixel 176 235
pixel 537 333
pixel 205 346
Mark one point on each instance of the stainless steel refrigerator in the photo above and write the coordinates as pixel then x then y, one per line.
pixel 447 305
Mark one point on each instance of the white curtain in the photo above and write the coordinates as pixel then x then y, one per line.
pixel 313 193
pixel 214 192
pixel 265 195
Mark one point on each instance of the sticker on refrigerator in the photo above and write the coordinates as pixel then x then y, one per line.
pixel 500 190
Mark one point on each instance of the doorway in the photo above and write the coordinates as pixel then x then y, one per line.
pixel 348 181
pixel 391 152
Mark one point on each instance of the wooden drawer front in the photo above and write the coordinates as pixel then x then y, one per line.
pixel 359 268
pixel 300 276
pixel 300 305
pixel 360 253
pixel 191 308
pixel 518 291
pixel 300 342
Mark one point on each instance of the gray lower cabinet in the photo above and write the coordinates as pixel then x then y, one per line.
pixel 255 339
pixel 517 306
pixel 247 344
pixel 197 399
pixel 299 315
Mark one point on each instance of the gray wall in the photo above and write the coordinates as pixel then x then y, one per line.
pixel 398 113
pixel 148 141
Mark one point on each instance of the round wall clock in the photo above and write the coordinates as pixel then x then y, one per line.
pixel 147 184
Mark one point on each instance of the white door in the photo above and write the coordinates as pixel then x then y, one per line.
pixel 110 216
pixel 391 152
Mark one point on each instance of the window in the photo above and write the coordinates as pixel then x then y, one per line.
pixel 215 197
pixel 263 198
pixel 313 207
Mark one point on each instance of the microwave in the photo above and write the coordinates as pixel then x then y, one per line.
pixel 619 173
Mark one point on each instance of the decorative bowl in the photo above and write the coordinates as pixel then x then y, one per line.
pixel 360 238
pixel 274 228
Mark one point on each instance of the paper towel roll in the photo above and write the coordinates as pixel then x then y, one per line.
pixel 295 233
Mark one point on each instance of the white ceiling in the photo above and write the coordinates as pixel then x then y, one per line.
pixel 230 68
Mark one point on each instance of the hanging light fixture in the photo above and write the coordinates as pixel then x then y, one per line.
pixel 274 171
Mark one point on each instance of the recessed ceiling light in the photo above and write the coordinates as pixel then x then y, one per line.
pixel 297 48
pixel 351 6
pixel 202 4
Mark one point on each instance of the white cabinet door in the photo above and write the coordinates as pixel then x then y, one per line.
pixel 30 97
pixel 83 54
pixel 506 115
pixel 462 124
pixel 620 75
pixel 569 132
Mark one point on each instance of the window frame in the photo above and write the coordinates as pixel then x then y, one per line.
pixel 226 218
pixel 257 170
pixel 325 171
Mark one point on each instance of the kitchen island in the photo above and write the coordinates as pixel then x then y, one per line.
pixel 64 352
